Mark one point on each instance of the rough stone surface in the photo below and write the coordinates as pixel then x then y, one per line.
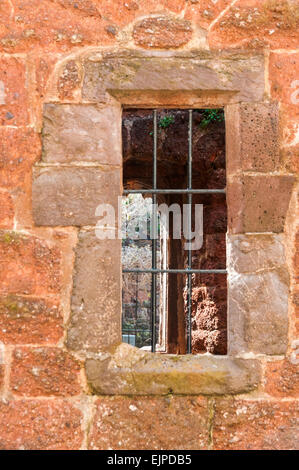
pixel 13 94
pixel 96 301
pixel 28 265
pixel 282 379
pixel 19 149
pixel 44 372
pixel 255 425
pixel 69 80
pixel 259 203
pixel 127 423
pixel 2 371
pixel 162 32
pixel 55 26
pixel 253 137
pixel 40 425
pixel 70 196
pixel 6 210
pixel 28 320
pixel 255 324
pixel 257 24
pixel 266 202
pixel 250 253
pixel 283 73
pixel 127 370
pixel 241 75
pixel 81 133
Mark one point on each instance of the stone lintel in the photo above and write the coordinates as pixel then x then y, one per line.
pixel 241 74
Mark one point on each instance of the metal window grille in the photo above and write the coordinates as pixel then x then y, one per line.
pixel 188 270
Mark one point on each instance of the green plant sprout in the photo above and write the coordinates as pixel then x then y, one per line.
pixel 166 121
pixel 211 115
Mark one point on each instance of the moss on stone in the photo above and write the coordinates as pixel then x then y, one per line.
pixel 10 237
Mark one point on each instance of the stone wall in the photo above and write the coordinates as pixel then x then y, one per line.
pixel 51 52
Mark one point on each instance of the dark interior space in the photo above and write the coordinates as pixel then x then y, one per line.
pixel 209 291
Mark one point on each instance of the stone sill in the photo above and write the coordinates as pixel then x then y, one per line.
pixel 127 370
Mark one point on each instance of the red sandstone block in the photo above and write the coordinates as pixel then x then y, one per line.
pixel 282 379
pixel 259 203
pixel 44 66
pixel 40 425
pixel 283 76
pixel 19 149
pixel 296 256
pixel 27 320
pixel 259 425
pixel 28 265
pixel 54 25
pixel 121 13
pixel 204 12
pixel 13 94
pixel 44 371
pixel 1 376
pixel 6 210
pixel 162 32
pixel 147 423
pixel 290 156
pixel 256 24
pixel 69 80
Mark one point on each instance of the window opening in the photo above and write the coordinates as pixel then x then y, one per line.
pixel 160 279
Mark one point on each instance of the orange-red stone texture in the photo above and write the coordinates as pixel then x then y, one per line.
pixel 44 403
pixel 255 425
pixel 44 371
pixel 122 423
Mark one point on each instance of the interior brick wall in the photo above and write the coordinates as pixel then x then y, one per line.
pixel 46 402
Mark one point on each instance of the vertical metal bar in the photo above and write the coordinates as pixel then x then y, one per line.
pixel 189 280
pixel 154 240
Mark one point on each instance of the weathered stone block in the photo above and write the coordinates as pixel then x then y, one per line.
pixel 28 265
pixel 19 148
pixel 258 203
pixel 69 80
pixel 43 372
pixel 255 425
pixel 82 133
pixel 258 312
pixel 239 76
pixel 282 379
pixel 259 135
pixel 252 137
pixel 127 370
pixel 256 25
pixel 14 102
pixel 70 196
pixel 27 320
pixel 37 425
pixel 266 202
pixel 96 301
pixel 6 210
pixel 250 253
pixel 127 423
pixel 162 32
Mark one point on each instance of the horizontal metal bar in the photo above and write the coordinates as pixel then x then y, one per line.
pixel 176 271
pixel 127 332
pixel 174 191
